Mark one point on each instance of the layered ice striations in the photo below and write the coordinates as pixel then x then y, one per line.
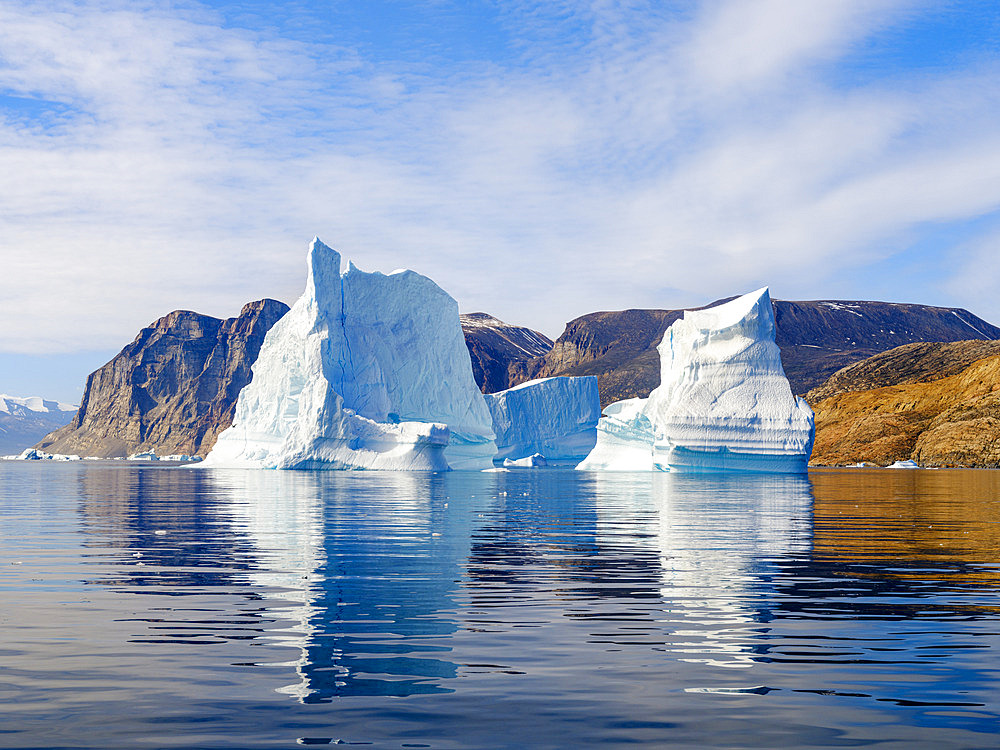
pixel 366 371
pixel 723 403
pixel 555 418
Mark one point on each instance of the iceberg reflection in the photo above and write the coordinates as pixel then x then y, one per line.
pixel 719 539
pixel 371 563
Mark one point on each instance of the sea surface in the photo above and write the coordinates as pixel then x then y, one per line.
pixel 161 607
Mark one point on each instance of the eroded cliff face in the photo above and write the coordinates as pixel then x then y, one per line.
pixel 172 390
pixel 816 339
pixel 937 404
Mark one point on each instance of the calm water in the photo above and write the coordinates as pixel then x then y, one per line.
pixel 151 607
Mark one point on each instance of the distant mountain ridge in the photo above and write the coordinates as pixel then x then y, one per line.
pixel 495 345
pixel 174 388
pixel 816 339
pixel 26 420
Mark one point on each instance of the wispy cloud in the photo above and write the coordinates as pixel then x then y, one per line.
pixel 655 156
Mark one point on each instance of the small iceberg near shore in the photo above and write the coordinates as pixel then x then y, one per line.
pixel 723 403
pixel 908 464
pixel 366 371
pixel 528 462
pixel 555 418
pixel 33 454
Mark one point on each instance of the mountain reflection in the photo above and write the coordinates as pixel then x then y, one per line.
pixel 163 528
pixel 545 526
pixel 904 540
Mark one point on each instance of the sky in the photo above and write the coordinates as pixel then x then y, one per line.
pixel 538 160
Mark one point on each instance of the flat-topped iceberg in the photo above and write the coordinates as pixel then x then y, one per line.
pixel 553 417
pixel 723 403
pixel 366 371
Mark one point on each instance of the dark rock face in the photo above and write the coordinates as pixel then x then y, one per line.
pixel 618 347
pixel 494 346
pixel 172 390
pixel 816 339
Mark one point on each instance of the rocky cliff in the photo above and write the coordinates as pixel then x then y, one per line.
pixel 816 339
pixel 495 345
pixel 172 390
pixel 935 403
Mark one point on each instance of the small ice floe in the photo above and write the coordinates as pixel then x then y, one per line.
pixel 160 532
pixel 144 456
pixel 904 465
pixel 754 690
pixel 495 469
pixel 528 462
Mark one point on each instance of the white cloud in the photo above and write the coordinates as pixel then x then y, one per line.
pixel 184 163
pixel 976 276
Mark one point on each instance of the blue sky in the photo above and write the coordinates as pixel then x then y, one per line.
pixel 539 160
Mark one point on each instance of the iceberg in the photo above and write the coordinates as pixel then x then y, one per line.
pixel 553 417
pixel 723 403
pixel 366 371
pixel 624 439
pixel 33 454
pixel 528 462
pixel 908 464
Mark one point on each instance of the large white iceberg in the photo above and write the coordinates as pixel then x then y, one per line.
pixel 366 371
pixel 554 417
pixel 723 403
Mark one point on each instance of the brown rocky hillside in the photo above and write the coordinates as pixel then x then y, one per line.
pixel 494 345
pixel 937 404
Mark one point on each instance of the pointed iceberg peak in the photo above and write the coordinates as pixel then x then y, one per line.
pixel 322 271
pixel 752 313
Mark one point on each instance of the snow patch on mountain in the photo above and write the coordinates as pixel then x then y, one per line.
pixel 26 420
